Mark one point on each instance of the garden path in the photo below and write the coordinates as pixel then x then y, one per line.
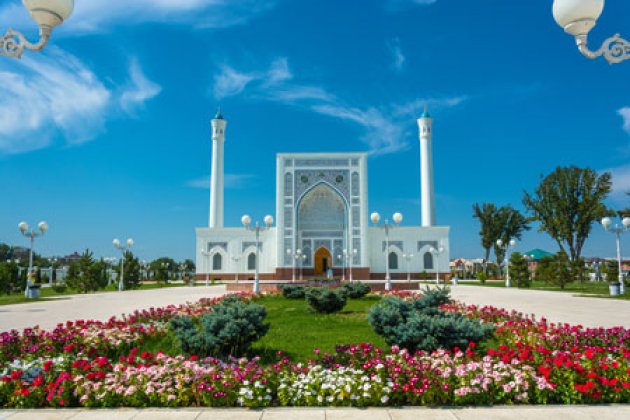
pixel 98 306
pixel 613 412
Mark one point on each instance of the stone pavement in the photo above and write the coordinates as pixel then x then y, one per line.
pixel 613 412
pixel 98 306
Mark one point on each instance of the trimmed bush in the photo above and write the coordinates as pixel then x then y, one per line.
pixel 290 291
pixel 325 300
pixel 229 330
pixel 421 325
pixel 356 290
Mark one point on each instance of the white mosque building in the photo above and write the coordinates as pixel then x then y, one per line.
pixel 322 222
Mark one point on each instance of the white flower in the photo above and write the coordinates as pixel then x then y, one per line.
pixel 384 399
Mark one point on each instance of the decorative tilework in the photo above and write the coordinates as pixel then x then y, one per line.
pixel 252 244
pixel 288 184
pixel 394 244
pixel 355 184
pixel 422 244
pixel 305 179
pixel 321 162
pixel 222 245
pixel 356 244
pixel 356 216
pixel 320 234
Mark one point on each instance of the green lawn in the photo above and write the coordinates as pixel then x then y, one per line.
pixel 599 289
pixel 296 330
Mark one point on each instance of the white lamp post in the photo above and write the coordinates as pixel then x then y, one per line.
pixel 123 249
pixel 300 256
pixel 350 261
pixel 617 231
pixel 31 234
pixel 236 260
pixel 290 255
pixel 48 14
pixel 506 247
pixel 408 258
pixel 247 221
pixel 342 258
pixel 397 218
pixel 578 17
pixel 436 253
pixel 207 256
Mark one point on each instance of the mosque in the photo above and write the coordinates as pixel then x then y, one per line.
pixel 322 222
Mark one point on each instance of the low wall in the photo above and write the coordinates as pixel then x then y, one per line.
pixel 275 286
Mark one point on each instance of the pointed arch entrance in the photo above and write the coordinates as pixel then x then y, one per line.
pixel 323 261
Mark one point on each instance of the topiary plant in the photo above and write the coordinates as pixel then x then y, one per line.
pixel 325 300
pixel 229 330
pixel 356 290
pixel 291 291
pixel 421 325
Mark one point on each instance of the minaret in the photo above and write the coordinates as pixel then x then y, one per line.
pixel 216 177
pixel 425 124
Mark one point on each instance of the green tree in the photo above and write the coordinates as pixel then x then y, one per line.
pixel 163 268
pixel 612 271
pixel 579 272
pixel 560 270
pixel 486 214
pixel 567 203
pixel 131 277
pixel 544 269
pixel 509 224
pixel 519 270
pixel 83 275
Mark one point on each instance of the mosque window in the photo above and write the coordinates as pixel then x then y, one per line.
pixel 304 179
pixel 428 261
pixel 251 261
pixel 217 262
pixel 393 261
pixel 339 179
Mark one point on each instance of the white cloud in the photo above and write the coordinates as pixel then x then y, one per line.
pixel 383 126
pixel 398 58
pixel 54 93
pixel 621 183
pixel 104 15
pixel 139 90
pixel 231 181
pixel 625 114
pixel 396 5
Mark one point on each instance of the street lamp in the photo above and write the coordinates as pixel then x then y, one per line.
pixel 349 258
pixel 436 252
pixel 301 257
pixel 617 231
pixel 290 255
pixel 247 221
pixel 236 260
pixel 578 17
pixel 408 258
pixel 342 258
pixel 123 249
pixel 207 254
pixel 31 234
pixel 48 14
pixel 398 218
pixel 506 247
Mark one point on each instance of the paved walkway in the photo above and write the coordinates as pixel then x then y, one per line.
pixel 555 306
pixel 98 306
pixel 615 412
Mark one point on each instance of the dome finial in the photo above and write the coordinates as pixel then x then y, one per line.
pixel 426 114
pixel 219 116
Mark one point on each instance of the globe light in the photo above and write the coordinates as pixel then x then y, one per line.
pixel 375 217
pixel 268 220
pixel 512 243
pixel 577 17
pixel 129 242
pixel 606 222
pixel 116 243
pixel 246 220
pixel 23 226
pixel 499 243
pixel 626 222
pixel 43 226
pixel 398 218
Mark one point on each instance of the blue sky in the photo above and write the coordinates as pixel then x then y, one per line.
pixel 106 133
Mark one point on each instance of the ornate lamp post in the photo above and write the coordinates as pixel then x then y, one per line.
pixel 436 253
pixel 578 17
pixel 301 257
pixel 342 258
pixel 290 255
pixel 618 231
pixel 31 234
pixel 123 249
pixel 48 14
pixel 408 258
pixel 397 218
pixel 247 221
pixel 506 247
pixel 350 256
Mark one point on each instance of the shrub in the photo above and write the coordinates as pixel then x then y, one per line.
pixel 59 287
pixel 229 330
pixel 325 300
pixel 290 291
pixel 482 277
pixel 421 325
pixel 519 270
pixel 356 290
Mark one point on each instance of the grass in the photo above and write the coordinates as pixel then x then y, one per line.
pixel 296 330
pixel 47 293
pixel 599 289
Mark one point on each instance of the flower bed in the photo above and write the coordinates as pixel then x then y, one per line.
pixel 531 361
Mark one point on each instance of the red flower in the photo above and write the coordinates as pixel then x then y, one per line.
pixel 48 364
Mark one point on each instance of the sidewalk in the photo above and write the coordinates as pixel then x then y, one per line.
pixel 613 412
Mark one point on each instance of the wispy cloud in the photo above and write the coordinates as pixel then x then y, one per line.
pixel 383 126
pixel 231 181
pixel 139 89
pixel 54 93
pixel 396 5
pixel 621 183
pixel 104 15
pixel 625 114
pixel 398 58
